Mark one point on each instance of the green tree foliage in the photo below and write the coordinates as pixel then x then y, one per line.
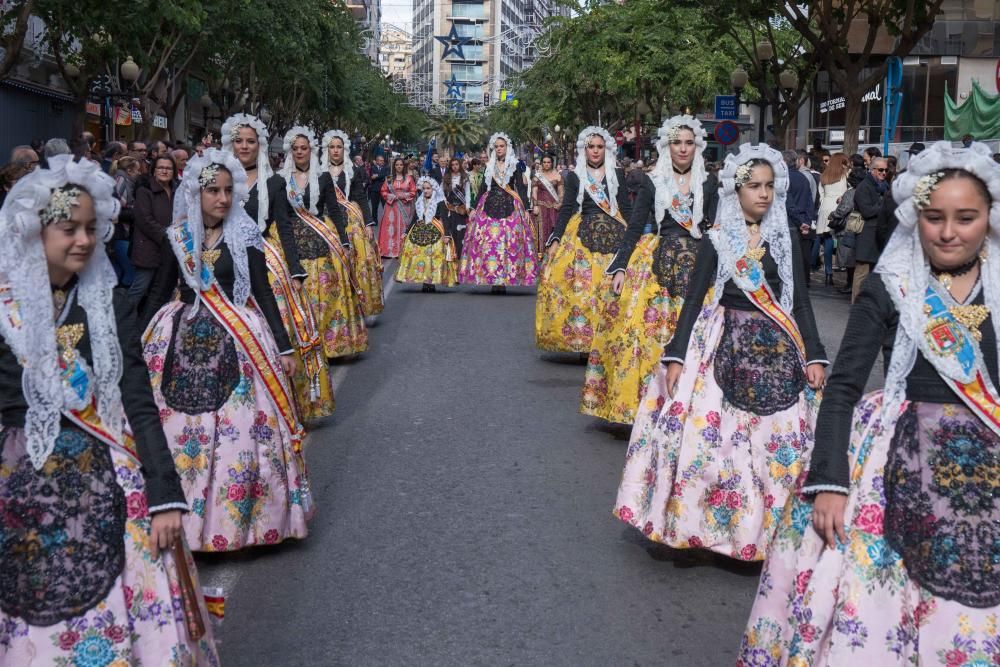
pixel 454 132
pixel 300 58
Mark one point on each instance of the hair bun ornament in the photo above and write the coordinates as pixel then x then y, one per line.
pixel 747 153
pixel 672 126
pixel 581 139
pixel 298 131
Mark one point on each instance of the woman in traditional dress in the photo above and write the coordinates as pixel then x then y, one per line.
pixel 546 195
pixel 499 248
pixel 651 273
pixel 727 424
pixel 323 317
pixel 247 138
pixel 458 200
pixel 398 193
pixel 591 225
pixel 343 188
pixel 428 256
pixel 888 556
pixel 217 376
pixel 95 570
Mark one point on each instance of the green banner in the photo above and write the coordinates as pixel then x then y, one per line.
pixel 979 115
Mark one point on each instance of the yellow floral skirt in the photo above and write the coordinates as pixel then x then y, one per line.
pixel 424 257
pixel 313 392
pixel 366 262
pixel 571 294
pixel 634 328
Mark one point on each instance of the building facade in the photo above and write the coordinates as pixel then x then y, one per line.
pixel 963 47
pixel 368 14
pixel 395 51
pixel 487 41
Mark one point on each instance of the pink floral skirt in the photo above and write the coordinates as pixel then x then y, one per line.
pixel 703 473
pixel 244 481
pixel 140 620
pixel 857 604
pixel 498 251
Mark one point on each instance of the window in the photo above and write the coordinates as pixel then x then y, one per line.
pixel 467 72
pixel 470 11
pixel 472 30
pixel 471 52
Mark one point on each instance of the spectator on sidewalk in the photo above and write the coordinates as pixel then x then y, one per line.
pixel 868 201
pixel 153 214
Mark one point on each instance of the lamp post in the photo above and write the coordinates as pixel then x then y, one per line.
pixel 641 109
pixel 787 81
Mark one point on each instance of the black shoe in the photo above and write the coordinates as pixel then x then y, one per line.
pixel 829 279
pixel 846 289
pixel 428 288
pixel 498 289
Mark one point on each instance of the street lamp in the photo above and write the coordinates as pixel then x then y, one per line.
pixel 787 81
pixel 764 50
pixel 129 70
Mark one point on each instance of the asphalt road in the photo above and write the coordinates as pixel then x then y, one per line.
pixel 464 516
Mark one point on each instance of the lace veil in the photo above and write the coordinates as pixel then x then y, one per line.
pixel 509 163
pixel 425 211
pixel 288 168
pixel 730 235
pixel 348 165
pixel 610 164
pixel 904 266
pixel 239 230
pixel 28 323
pixel 230 129
pixel 663 173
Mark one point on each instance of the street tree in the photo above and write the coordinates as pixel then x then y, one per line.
pixel 14 17
pixel 843 35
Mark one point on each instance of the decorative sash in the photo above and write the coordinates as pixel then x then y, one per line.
pixel 449 244
pixel 230 318
pixel 302 320
pixel 600 197
pixel 547 184
pixel 951 347
pixel 749 277
pixel 352 207
pixel 509 190
pixel 459 208
pixel 88 420
pixel 683 216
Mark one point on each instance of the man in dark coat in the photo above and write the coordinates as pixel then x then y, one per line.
pixel 800 207
pixel 868 201
pixel 379 171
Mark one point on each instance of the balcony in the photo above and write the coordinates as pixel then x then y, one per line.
pixel 358 8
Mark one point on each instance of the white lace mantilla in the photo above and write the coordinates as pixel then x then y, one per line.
pixel 730 235
pixel 610 164
pixel 28 323
pixel 663 173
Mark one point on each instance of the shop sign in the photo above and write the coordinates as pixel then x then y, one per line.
pixel 93 108
pixel 160 122
pixel 873 95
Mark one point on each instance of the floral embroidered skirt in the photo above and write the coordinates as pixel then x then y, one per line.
pixel 634 328
pixel 702 472
pixel 424 257
pixel 133 617
pixel 860 603
pixel 311 382
pixel 244 480
pixel 499 251
pixel 336 306
pixel 366 263
pixel 573 291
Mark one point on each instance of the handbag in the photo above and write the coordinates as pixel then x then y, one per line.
pixel 855 222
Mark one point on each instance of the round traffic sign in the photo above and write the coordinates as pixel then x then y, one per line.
pixel 619 137
pixel 727 133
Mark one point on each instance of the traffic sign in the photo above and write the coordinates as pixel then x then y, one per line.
pixel 619 137
pixel 725 107
pixel 727 133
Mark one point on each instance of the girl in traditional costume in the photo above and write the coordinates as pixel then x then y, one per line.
pixel 329 288
pixel 727 425
pixel 546 195
pixel 429 251
pixel 343 188
pixel 650 273
pixel 499 248
pixel 458 199
pixel 95 570
pixel 574 288
pixel 888 555
pixel 398 192
pixel 218 379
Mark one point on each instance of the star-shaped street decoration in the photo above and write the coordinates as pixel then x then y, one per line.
pixel 453 43
pixel 454 88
